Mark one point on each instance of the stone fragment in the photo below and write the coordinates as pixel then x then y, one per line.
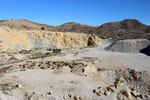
pixel 107 93
pixel 65 97
pixel 126 93
pixel 126 76
pixel 135 76
pixel 19 86
pixel 96 91
pixel 77 97
pixel 121 83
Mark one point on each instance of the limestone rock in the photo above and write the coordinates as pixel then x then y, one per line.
pixel 92 40
pixel 13 40
pixel 126 76
pixel 126 93
pixel 19 86
pixel 90 71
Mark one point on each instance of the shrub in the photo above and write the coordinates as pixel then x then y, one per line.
pixel 42 28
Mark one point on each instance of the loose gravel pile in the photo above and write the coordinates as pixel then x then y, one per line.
pixel 128 46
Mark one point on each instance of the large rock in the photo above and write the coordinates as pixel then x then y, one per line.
pixel 93 40
pixel 126 93
pixel 128 46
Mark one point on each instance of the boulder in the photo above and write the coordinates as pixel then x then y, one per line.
pixel 127 93
pixel 92 41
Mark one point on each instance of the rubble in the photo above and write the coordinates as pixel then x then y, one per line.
pixel 126 84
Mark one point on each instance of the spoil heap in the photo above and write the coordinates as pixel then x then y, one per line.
pixel 128 46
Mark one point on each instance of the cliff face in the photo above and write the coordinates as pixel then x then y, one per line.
pixel 11 39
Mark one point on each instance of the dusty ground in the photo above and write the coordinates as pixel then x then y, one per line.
pixel 77 74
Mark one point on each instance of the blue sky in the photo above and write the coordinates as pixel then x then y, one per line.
pixel 90 12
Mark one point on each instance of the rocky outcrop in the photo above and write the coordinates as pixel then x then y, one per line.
pixel 92 41
pixel 128 46
pixel 13 40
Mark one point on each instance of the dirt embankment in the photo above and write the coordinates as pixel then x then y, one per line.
pixel 13 40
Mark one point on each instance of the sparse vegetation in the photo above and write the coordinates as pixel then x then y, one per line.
pixel 25 51
pixel 56 50
pixel 124 25
pixel 28 51
pixel 4 70
pixel 101 69
pixel 42 55
pixel 147 30
pixel 42 28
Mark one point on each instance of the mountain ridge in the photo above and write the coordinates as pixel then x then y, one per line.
pixel 125 29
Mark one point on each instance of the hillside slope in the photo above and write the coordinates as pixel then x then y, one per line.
pixel 126 29
pixel 24 25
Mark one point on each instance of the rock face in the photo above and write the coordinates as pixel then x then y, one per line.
pixel 92 40
pixel 11 39
pixel 128 46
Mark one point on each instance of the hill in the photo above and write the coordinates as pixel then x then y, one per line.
pixel 24 25
pixel 126 29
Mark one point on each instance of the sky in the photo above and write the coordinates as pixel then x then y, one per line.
pixel 89 12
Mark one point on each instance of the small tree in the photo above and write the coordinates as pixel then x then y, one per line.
pixel 42 28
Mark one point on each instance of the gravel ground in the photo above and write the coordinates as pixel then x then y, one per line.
pixel 46 82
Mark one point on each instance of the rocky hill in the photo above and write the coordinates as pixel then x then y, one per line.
pixel 126 29
pixel 66 27
pixel 76 27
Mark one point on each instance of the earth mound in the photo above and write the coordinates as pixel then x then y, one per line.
pixel 128 46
